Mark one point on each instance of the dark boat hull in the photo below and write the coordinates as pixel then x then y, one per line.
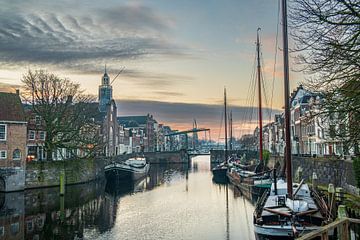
pixel 247 189
pixel 219 175
pixel 132 174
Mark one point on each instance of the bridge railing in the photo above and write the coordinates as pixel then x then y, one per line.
pixel 340 229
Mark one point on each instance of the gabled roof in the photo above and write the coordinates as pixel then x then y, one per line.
pixel 132 121
pixel 11 108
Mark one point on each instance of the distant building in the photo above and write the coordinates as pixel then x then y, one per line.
pixel 36 135
pixel 110 129
pixel 145 123
pixel 105 92
pixel 12 143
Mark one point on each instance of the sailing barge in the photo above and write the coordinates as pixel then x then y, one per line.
pixel 289 209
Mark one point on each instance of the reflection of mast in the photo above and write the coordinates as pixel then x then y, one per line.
pixel 246 217
pixel 227 213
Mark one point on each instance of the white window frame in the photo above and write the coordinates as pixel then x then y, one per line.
pixel 1 153
pixel 32 131
pixel 4 139
pixel 42 138
pixel 17 158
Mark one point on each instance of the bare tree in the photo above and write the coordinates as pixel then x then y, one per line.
pixel 68 114
pixel 327 36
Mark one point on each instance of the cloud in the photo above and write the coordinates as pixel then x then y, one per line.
pixel 5 87
pixel 83 40
pixel 181 115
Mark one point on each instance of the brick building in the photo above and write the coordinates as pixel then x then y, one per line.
pixel 12 142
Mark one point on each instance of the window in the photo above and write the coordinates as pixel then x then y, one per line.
pixel 42 135
pixel 17 154
pixel 3 154
pixel 2 232
pixel 2 132
pixel 37 120
pixel 15 228
pixel 31 135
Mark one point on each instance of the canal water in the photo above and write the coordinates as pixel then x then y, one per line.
pixel 174 202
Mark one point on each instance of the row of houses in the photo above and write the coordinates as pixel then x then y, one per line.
pixel 311 133
pixel 23 133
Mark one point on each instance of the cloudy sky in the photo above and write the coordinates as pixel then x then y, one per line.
pixel 178 55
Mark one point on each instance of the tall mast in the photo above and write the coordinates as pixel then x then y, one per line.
pixel 287 102
pixel 231 130
pixel 259 93
pixel 226 123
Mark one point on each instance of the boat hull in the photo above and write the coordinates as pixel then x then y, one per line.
pixel 250 191
pixel 219 175
pixel 281 231
pixel 123 172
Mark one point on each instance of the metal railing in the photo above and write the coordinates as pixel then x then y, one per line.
pixel 340 229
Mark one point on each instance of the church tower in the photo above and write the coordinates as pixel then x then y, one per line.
pixel 105 92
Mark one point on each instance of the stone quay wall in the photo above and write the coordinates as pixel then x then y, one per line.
pixel 328 170
pixel 47 174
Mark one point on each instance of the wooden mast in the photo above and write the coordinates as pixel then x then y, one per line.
pixel 259 93
pixel 226 123
pixel 287 102
pixel 231 131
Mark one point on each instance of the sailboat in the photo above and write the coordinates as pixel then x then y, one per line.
pixel 219 171
pixel 253 180
pixel 289 209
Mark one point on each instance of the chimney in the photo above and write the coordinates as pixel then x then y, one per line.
pixel 18 92
pixel 69 99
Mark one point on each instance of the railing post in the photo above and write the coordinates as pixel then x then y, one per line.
pixel 324 235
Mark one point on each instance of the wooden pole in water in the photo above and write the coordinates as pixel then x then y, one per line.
pixel 62 183
pixel 287 101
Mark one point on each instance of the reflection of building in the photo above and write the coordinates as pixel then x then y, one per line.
pixel 12 216
pixel 12 142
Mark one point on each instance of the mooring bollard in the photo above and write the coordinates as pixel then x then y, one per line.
pixel 331 196
pixel 314 180
pixel 62 183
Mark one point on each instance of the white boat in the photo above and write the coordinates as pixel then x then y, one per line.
pixel 133 169
pixel 278 215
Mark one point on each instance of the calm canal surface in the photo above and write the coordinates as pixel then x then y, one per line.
pixel 173 202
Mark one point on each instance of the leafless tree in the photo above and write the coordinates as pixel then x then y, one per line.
pixel 68 114
pixel 327 36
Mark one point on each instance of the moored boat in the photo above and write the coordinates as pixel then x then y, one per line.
pixel 252 180
pixel 289 209
pixel 278 215
pixel 219 171
pixel 133 169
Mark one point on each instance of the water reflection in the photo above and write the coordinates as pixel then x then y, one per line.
pixel 173 202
